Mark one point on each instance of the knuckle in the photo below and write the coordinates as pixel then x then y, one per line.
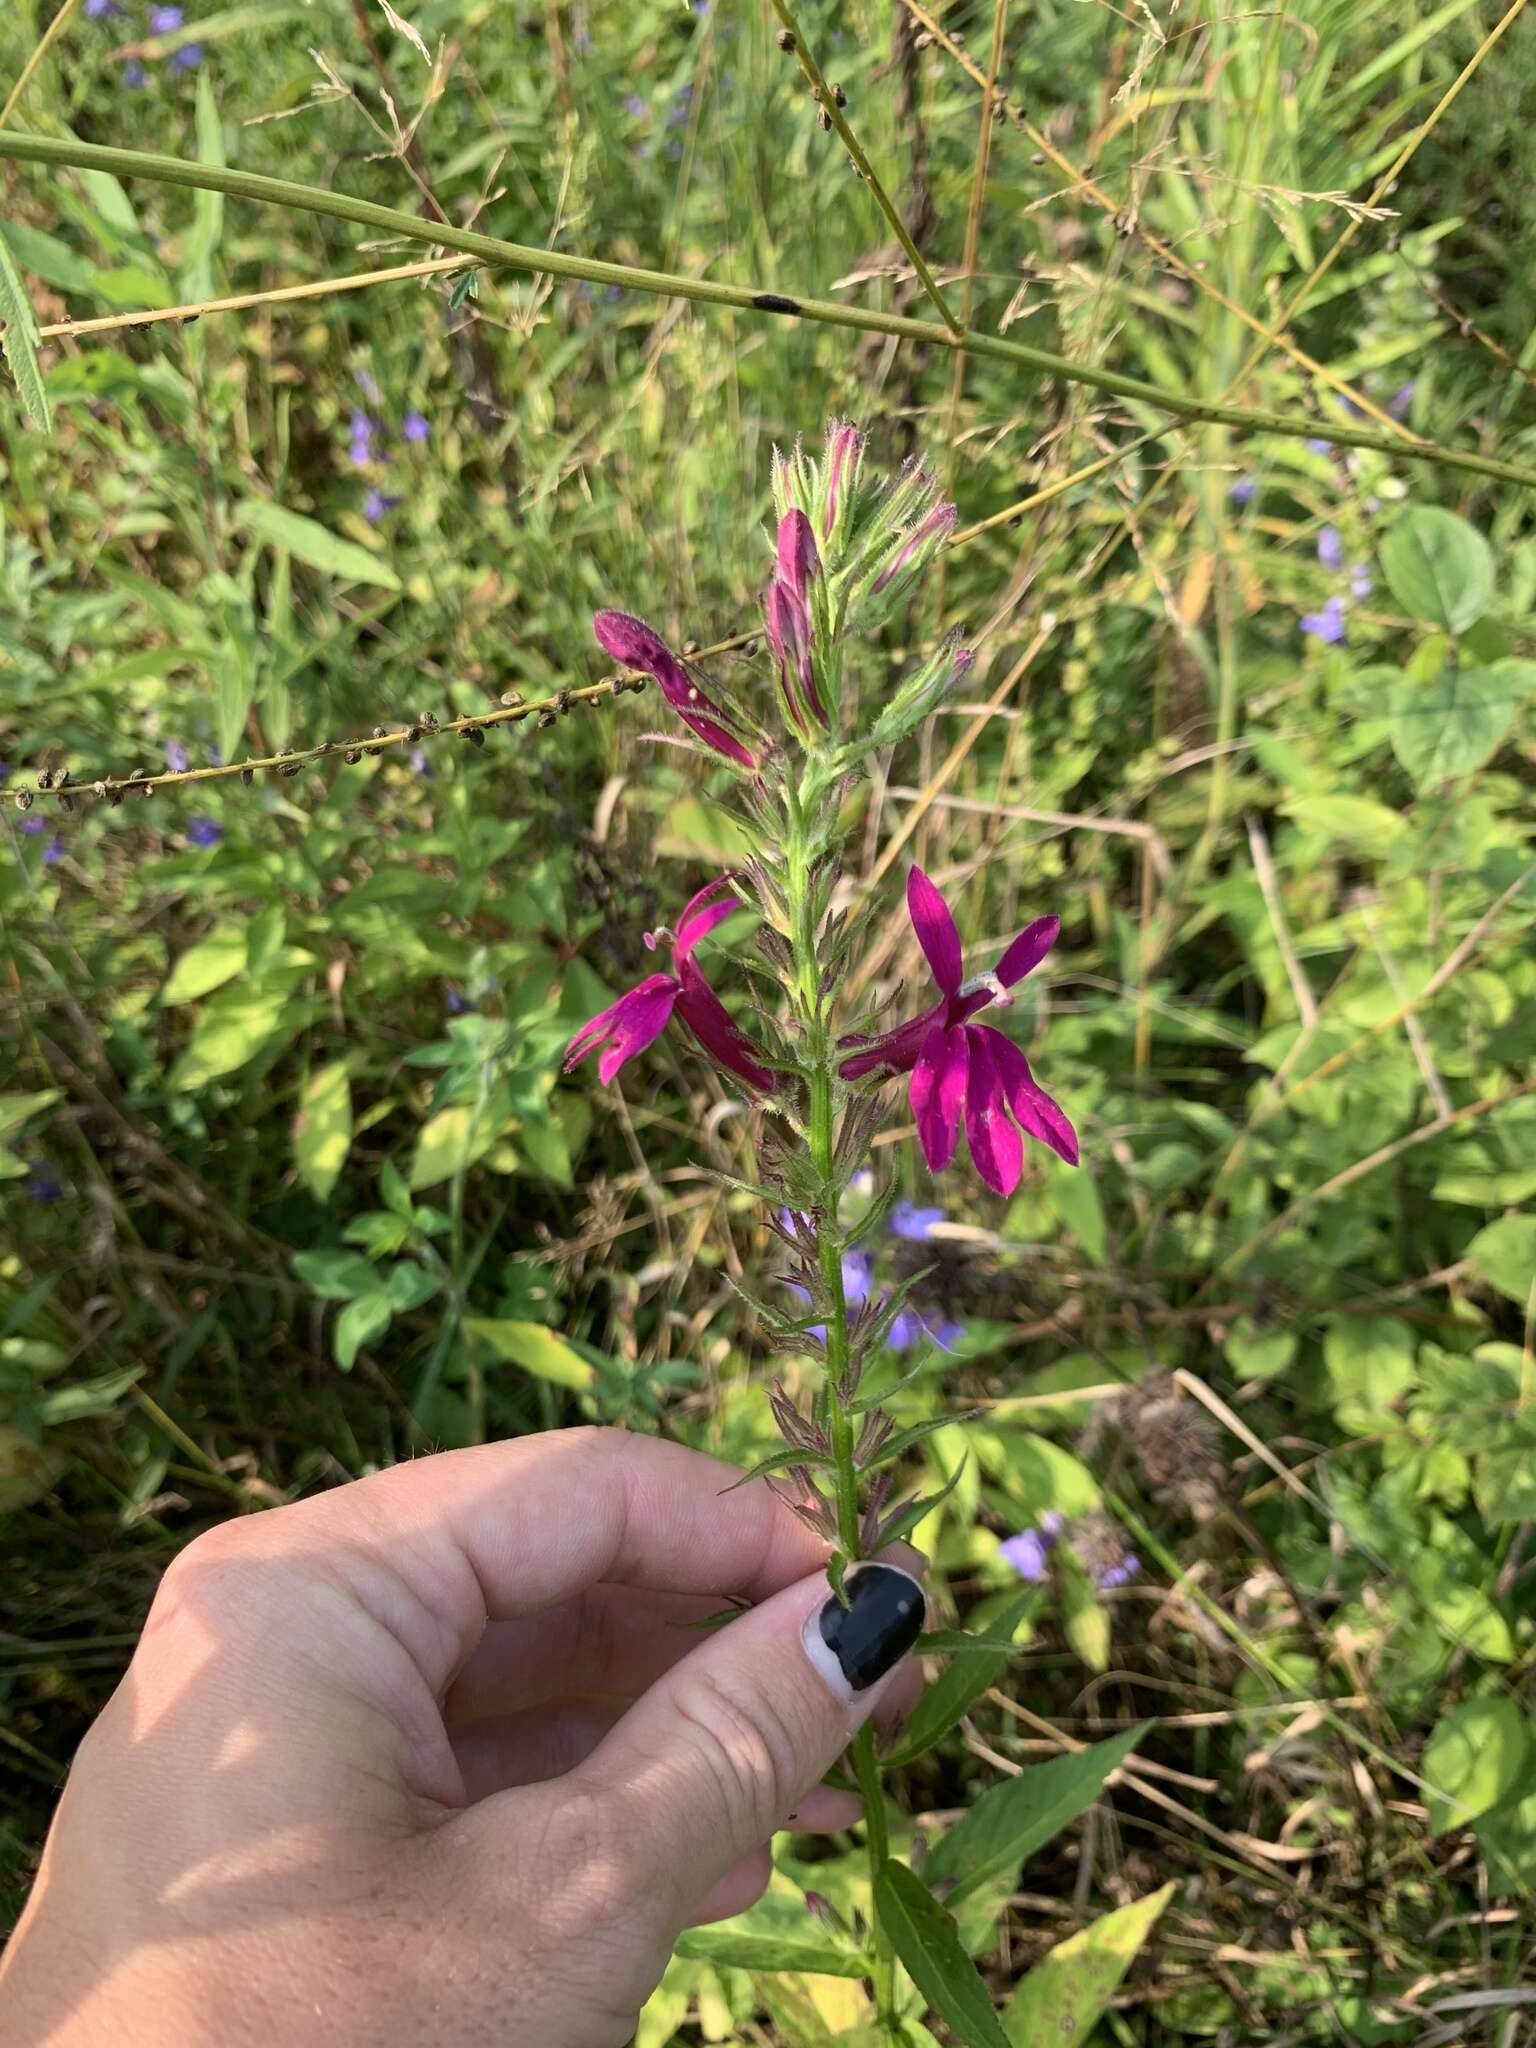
pixel 748 1744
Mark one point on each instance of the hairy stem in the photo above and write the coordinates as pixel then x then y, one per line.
pixel 491 249
pixel 842 1424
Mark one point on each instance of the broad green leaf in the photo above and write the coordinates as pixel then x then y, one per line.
pixel 1438 566
pixel 1371 1363
pixel 928 1942
pixel 18 338
pixel 315 544
pixel 337 1276
pixel 1477 1753
pixel 739 1950
pixel 1450 726
pixel 1086 1620
pixel 27 1469
pixel 358 1324
pixel 452 1141
pixel 1358 820
pixel 207 965
pixel 237 1027
pixel 1257 1352
pixel 1505 1255
pixel 1061 2000
pixel 536 1349
pixel 1013 1820
pixel 957 1688
pixel 409 1285
pixel 48 258
pixel 322 1131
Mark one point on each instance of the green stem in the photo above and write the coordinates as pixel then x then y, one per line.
pixel 491 249
pixel 815 1024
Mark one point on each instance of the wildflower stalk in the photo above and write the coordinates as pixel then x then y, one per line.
pixel 816 1025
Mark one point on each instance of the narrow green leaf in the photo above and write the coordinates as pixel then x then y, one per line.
pixel 1013 1820
pixel 739 1951
pixel 955 1691
pixel 315 544
pixel 1064 1995
pixel 907 1518
pixel 776 1461
pixel 928 1942
pixel 18 338
pixel 904 1439
pixel 536 1349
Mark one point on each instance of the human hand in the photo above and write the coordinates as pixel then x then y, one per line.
pixel 435 1758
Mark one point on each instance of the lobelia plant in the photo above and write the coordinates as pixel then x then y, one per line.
pixel 850 547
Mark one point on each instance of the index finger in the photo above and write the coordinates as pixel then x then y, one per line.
pixel 437 1547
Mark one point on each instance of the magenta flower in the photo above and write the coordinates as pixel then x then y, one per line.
pixel 629 1025
pixel 845 450
pixel 632 641
pixel 787 609
pixel 964 1069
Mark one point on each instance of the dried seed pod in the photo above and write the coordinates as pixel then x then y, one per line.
pixel 563 702
pixel 839 97
pixel 289 768
pixel 352 756
pixel 66 803
pixel 413 732
pixel 511 699
pixel 826 121
pixel 23 799
pixel 473 735
pixel 546 719
pixel 426 721
pixel 786 39
pixel 247 775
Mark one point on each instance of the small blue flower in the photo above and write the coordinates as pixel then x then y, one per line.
pixel 367 383
pixel 176 757
pixel 635 105
pixel 1318 445
pixel 1242 489
pixel 5 773
pixel 420 765
pixel 98 10
pixel 188 57
pixel 32 826
pixel 43 1184
pixel 1328 624
pixel 1401 400
pixel 456 1005
pixel 1028 1553
pixel 1118 1574
pixel 377 503
pixel 163 19
pixel 53 852
pixel 416 427
pixel 133 75
pixel 204 832
pixel 914 1224
pixel 1361 581
pixel 215 758
pixel 1330 549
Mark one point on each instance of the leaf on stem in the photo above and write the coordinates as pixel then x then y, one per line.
pixel 951 1696
pixel 926 1938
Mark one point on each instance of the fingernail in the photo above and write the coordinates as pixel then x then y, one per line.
pixel 853 1646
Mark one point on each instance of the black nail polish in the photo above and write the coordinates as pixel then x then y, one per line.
pixel 883 1619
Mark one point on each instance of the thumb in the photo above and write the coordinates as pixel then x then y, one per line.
pixel 721 1751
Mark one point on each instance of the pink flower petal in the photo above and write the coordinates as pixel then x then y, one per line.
pixel 937 1094
pixel 935 930
pixel 715 1029
pixel 625 1027
pixel 798 559
pixel 996 1146
pixel 894 1052
pixel 1035 1111
pixel 637 645
pixel 700 916
pixel 1028 950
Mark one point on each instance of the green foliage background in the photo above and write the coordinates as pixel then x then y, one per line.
pixel 290 1189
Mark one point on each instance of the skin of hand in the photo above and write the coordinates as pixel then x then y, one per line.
pixel 436 1758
